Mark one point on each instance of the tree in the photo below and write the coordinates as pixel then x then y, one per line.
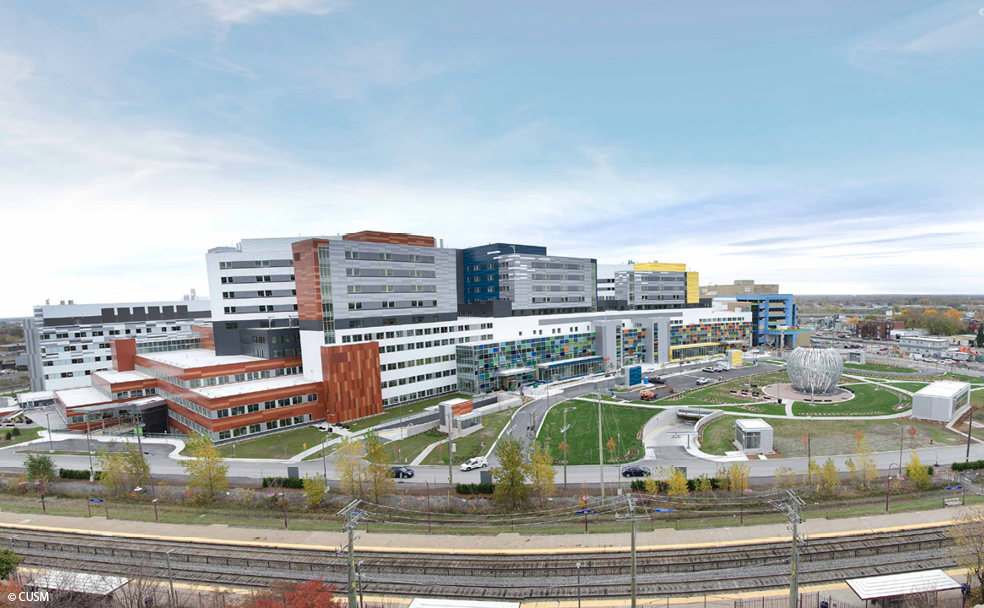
pixel 309 594
pixel 612 449
pixel 954 314
pixel 812 473
pixel 206 469
pixel 510 475
pixel 703 483
pixel 829 478
pixel 912 431
pixel 377 472
pixel 785 478
pixel 677 483
pixel 350 464
pixel 8 563
pixel 40 468
pixel 563 449
pixel 862 468
pixel 737 475
pixel 314 490
pixel 113 469
pixel 967 534
pixel 918 473
pixel 135 466
pixel 542 472
pixel 979 340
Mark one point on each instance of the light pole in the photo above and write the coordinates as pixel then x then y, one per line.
pixel 888 483
pixel 601 453
pixel 901 443
pixel 51 446
pixel 170 578
pixel 324 456
pixel 970 429
pixel 88 442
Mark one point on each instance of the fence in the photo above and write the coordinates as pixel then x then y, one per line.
pixel 806 600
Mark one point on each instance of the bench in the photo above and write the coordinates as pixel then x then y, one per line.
pixel 952 502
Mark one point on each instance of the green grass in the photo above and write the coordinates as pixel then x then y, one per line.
pixel 717 436
pixel 880 367
pixel 476 444
pixel 963 378
pixel 278 445
pixel 582 436
pixel 317 455
pixel 868 399
pixel 405 450
pixel 400 411
pixel 912 387
pixel 27 434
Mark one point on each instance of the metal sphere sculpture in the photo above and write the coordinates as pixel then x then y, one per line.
pixel 814 370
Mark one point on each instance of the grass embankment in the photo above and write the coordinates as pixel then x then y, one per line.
pixel 868 400
pixel 832 437
pixel 620 424
pixel 405 450
pixel 912 387
pixel 400 411
pixel 476 444
pixel 278 445
pixel 264 514
pixel 26 434
pixel 880 367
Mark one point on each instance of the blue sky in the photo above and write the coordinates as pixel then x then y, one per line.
pixel 832 147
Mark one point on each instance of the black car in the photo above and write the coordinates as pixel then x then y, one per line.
pixel 401 472
pixel 636 472
pixel 656 380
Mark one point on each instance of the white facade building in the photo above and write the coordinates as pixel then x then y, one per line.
pixel 939 401
pixel 924 345
pixel 67 342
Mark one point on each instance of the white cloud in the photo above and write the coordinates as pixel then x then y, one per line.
pixel 953 26
pixel 249 11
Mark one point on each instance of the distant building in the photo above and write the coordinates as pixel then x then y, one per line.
pixel 939 401
pixel 877 330
pixel 741 287
pixel 923 345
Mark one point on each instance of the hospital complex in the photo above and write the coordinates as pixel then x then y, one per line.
pixel 299 330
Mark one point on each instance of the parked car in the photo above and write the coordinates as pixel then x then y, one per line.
pixel 401 472
pixel 479 462
pixel 324 427
pixel 703 381
pixel 635 471
pixel 656 380
pixel 708 369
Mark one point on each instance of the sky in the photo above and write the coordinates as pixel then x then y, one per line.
pixel 833 147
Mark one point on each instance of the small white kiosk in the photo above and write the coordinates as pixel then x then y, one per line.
pixel 753 436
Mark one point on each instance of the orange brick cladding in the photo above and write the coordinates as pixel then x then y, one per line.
pixel 206 334
pixel 119 387
pixel 390 238
pixel 460 409
pixel 217 370
pixel 123 351
pixel 351 374
pixel 308 278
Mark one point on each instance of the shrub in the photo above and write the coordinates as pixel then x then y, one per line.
pixel 16 432
pixel 77 474
pixel 287 482
pixel 463 488
pixel 7 436
pixel 968 466
pixel 474 488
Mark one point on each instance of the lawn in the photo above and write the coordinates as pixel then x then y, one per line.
pixel 717 436
pixel 476 444
pixel 400 411
pixel 868 399
pixel 620 424
pixel 27 434
pixel 278 445
pixel 405 450
pixel 837 436
pixel 759 407
pixel 720 392
pixel 912 387
pixel 880 367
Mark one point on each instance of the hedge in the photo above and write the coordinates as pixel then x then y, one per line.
pixel 77 474
pixel 474 488
pixel 286 482
pixel 639 485
pixel 968 466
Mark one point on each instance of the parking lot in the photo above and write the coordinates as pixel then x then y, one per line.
pixel 688 379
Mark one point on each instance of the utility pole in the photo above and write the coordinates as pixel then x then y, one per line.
pixel 564 430
pixel 170 579
pixel 633 565
pixel 352 518
pixel 450 428
pixel 88 441
pixel 51 446
pixel 970 429
pixel 790 508
pixel 601 452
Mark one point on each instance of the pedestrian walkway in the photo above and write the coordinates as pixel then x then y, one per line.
pixel 426 452
pixel 499 544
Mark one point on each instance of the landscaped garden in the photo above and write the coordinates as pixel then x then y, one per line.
pixel 868 400
pixel 880 367
pixel 621 431
pixel 476 444
pixel 277 445
pixel 401 410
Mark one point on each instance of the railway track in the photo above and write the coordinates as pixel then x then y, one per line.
pixel 662 572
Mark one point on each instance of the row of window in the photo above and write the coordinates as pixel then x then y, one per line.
pixel 389 257
pixel 111 332
pixel 392 304
pixel 489 289
pixel 420 378
pixel 563 299
pixel 256 264
pixel 478 267
pixel 557 277
pixel 230 295
pixel 262 308
pixel 450 388
pixel 270 426
pixel 239 409
pixel 218 380
pixel 54 362
pixel 389 272
pixel 390 288
pixel 283 278
pixel 414 362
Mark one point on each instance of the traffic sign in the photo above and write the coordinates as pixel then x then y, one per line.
pixel 96 500
pixel 663 510
pixel 584 512
pixel 952 488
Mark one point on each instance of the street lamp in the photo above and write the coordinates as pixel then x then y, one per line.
pixel 901 440
pixel 888 483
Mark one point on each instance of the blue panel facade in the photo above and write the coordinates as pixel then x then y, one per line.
pixel 771 311
pixel 480 270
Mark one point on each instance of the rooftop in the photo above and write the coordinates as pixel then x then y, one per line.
pixel 753 424
pixel 943 388
pixel 196 357
pixel 894 585
pixel 254 386
pixel 78 582
pixel 75 397
pixel 35 396
pixel 114 377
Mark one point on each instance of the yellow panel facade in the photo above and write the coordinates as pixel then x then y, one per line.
pixel 693 287
pixel 663 267
pixel 736 358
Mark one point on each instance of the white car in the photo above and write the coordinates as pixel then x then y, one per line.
pixel 479 462
pixel 703 381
